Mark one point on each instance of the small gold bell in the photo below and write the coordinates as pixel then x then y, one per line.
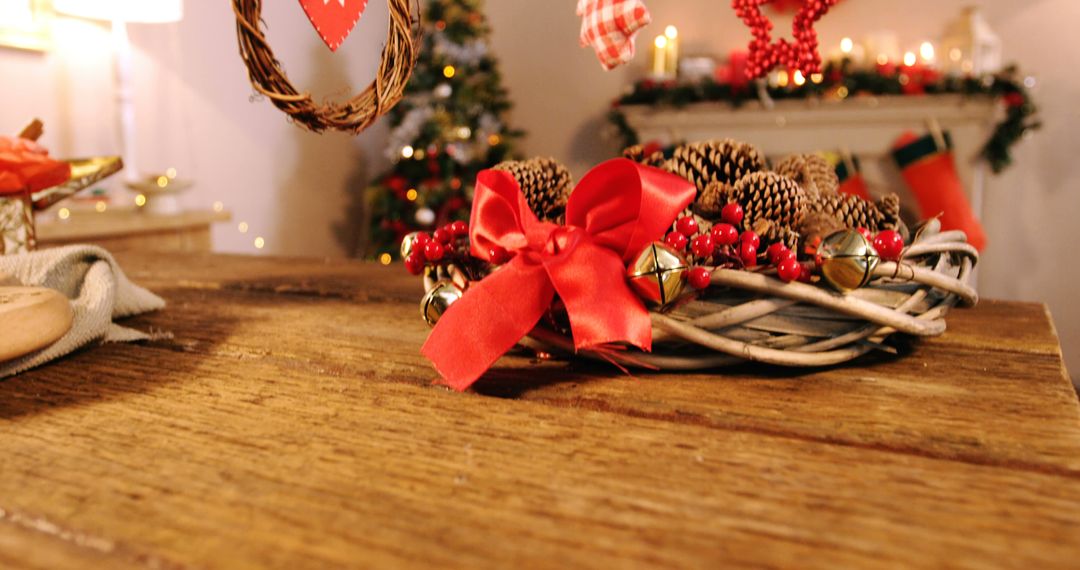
pixel 408 244
pixel 847 260
pixel 438 300
pixel 658 274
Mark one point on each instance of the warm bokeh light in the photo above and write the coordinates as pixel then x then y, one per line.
pixel 449 71
pixel 782 78
pixel 846 45
pixel 219 207
pixel 385 259
pixel 798 78
pixel 660 42
pixel 171 173
pixel 243 227
pixel 909 58
pixel 927 52
pixel 882 59
pixel 407 152
pixel 64 213
pixel 412 194
pixel 817 77
pixel 671 32
pixel 260 242
pixel 140 200
pixel 100 206
pixel 162 181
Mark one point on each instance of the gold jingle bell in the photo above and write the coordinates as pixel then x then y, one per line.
pixel 408 244
pixel 847 260
pixel 658 274
pixel 438 299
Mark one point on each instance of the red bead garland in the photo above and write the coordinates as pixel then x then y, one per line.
pixel 765 54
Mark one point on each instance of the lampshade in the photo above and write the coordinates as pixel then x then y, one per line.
pixel 132 11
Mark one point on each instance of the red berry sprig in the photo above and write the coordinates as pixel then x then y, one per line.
pixel 889 245
pixel 699 278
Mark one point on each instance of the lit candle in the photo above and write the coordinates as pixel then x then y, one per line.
pixel 659 61
pixel 672 64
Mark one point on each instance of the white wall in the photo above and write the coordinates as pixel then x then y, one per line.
pixel 292 186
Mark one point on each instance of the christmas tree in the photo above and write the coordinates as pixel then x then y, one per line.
pixel 449 127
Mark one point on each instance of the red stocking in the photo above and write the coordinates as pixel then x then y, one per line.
pixel 851 179
pixel 931 174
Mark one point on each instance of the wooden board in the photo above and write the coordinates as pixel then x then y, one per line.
pixel 291 423
pixel 31 318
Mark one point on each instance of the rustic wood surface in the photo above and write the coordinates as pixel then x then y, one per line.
pixel 286 420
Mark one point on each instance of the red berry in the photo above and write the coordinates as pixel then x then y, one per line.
pixel 498 255
pixel 889 245
pixel 459 228
pixel 748 254
pixel 750 238
pixel 421 240
pixel 443 235
pixel 732 214
pixel 677 241
pixel 806 275
pixel 702 246
pixel 789 270
pixel 434 251
pixel 686 226
pixel 725 234
pixel 415 263
pixel 866 234
pixel 699 278
pixel 778 252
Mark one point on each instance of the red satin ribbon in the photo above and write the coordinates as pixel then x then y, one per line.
pixel 616 210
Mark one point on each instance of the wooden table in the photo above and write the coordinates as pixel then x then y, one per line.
pixel 134 230
pixel 289 422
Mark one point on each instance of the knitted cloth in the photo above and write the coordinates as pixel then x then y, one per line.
pixel 99 292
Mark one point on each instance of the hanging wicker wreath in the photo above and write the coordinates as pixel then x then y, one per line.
pixel 356 114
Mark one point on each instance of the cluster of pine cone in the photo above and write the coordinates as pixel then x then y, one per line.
pixel 797 201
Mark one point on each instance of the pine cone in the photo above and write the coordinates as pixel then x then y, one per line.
pixel 724 161
pixel 773 204
pixel 713 199
pixel 545 183
pixel 811 171
pixel 849 211
pixel 639 154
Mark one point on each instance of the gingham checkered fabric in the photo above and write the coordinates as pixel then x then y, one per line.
pixel 609 26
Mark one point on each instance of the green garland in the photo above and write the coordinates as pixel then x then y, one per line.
pixel 1006 86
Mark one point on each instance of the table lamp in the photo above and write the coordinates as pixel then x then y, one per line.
pixel 120 13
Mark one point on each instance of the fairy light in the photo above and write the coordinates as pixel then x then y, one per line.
pixel 219 207
pixel 243 227
pixel 909 58
pixel 798 78
pixel 63 214
pixel 449 72
pixel 412 194
pixel 407 152
pixel 100 206
pixel 385 259
pixel 817 77
pixel 847 45
pixel 260 243
pixel 140 200
pixel 927 52
pixel 162 181
pixel 171 173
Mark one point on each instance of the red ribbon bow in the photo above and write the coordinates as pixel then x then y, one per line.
pixel 616 210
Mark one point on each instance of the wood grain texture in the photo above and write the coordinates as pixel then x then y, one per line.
pixel 290 423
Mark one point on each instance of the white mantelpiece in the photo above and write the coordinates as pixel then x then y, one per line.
pixel 865 126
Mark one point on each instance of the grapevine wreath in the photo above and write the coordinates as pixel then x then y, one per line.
pixel 354 115
pixel 692 259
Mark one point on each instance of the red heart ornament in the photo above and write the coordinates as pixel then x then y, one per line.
pixel 334 19
pixel 765 54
